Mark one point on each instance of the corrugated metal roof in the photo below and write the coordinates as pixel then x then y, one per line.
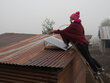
pixel 31 52
pixel 104 33
pixel 10 38
pixel 25 74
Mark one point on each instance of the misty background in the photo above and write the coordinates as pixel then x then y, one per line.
pixel 27 16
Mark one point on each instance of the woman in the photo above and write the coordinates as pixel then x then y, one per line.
pixel 75 33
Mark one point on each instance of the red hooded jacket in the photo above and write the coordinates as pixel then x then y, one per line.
pixel 74 32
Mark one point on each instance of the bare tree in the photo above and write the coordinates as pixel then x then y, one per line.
pixel 105 23
pixel 47 26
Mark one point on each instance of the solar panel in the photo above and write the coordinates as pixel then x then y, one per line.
pixel 57 42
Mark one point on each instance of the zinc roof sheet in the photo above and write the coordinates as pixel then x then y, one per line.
pixel 31 52
pixel 104 33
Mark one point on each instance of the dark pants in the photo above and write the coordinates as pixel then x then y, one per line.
pixel 83 48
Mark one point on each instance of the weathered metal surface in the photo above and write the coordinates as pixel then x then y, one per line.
pixel 31 52
pixel 28 62
pixel 104 33
pixel 19 74
pixel 9 38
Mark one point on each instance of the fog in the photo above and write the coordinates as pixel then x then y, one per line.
pixel 27 16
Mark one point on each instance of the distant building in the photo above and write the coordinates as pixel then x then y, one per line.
pixel 104 36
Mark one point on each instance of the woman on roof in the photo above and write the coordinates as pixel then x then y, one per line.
pixel 75 33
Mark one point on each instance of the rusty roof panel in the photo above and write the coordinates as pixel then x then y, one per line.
pixel 52 58
pixel 22 43
pixel 8 38
pixel 31 52
pixel 24 57
pixel 23 50
pixel 18 74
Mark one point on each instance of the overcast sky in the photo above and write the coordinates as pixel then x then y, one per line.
pixel 26 16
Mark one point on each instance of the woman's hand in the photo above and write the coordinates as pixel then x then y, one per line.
pixel 51 31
